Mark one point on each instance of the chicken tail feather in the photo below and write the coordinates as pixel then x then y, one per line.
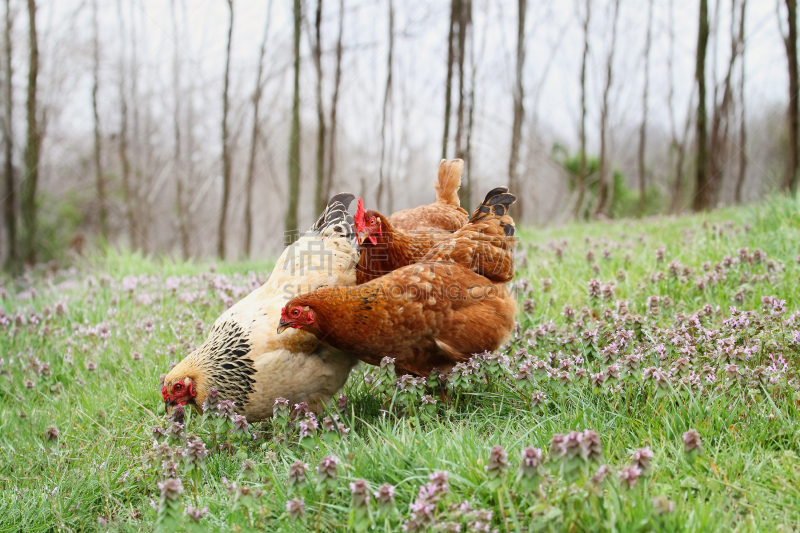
pixel 335 218
pixel 496 204
pixel 449 181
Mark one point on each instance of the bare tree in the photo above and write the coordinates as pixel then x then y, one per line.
pixel 519 109
pixel 383 179
pixel 33 143
pixel 464 24
pixel 455 10
pixel 316 53
pixel 180 194
pixel 9 198
pixel 581 185
pixel 226 155
pixel 254 137
pixel 643 126
pixel 122 146
pixel 139 183
pixel 677 142
pixel 100 182
pixel 702 192
pixel 742 116
pixel 294 137
pixel 722 110
pixel 606 184
pixel 790 43
pixel 465 152
pixel 337 78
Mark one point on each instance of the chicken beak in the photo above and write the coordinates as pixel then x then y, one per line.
pixel 282 325
pixel 169 403
pixel 364 236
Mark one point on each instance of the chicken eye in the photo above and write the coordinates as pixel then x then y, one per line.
pixel 178 386
pixel 295 312
pixel 372 220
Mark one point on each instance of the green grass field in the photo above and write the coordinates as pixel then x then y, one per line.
pixel 649 351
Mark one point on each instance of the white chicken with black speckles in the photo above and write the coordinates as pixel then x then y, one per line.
pixel 246 360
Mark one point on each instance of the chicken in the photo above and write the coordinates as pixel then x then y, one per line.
pixel 445 214
pixel 425 316
pixel 489 231
pixel 246 360
pixel 432 314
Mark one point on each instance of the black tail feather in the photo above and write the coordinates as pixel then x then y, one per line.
pixel 497 202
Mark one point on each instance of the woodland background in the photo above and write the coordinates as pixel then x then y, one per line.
pixel 210 128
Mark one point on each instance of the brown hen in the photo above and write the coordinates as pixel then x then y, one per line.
pixel 425 316
pixel 485 244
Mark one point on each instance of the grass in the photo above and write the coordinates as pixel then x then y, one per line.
pixel 68 354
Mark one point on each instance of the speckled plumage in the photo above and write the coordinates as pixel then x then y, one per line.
pixel 247 361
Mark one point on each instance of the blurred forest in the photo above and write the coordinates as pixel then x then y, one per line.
pixel 212 128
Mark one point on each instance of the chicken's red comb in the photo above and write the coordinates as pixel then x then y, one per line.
pixel 360 219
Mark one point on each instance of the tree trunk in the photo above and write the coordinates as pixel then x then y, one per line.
pixel 254 136
pixel 33 144
pixel 677 184
pixel 742 116
pixel 455 9
pixel 604 191
pixel 383 177
pixel 465 192
pixel 581 185
pixel 701 191
pixel 721 120
pixel 9 198
pixel 124 159
pixel 180 194
pixel 316 51
pixel 462 139
pixel 334 104
pixel 790 42
pixel 463 25
pixel 294 137
pixel 643 126
pixel 100 182
pixel 519 110
pixel 140 208
pixel 678 144
pixel 226 156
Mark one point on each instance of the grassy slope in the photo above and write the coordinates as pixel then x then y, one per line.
pixel 746 480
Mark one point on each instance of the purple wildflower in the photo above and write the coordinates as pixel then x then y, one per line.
pixel 296 508
pixel 297 474
pixel 629 476
pixel 328 470
pixel 196 515
pixel 641 458
pixel 360 493
pixel 692 442
pixel 498 462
